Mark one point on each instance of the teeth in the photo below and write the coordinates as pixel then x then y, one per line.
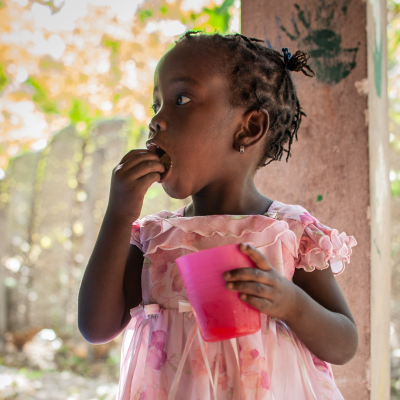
pixel 151 144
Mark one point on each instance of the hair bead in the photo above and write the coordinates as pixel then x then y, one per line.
pixel 286 55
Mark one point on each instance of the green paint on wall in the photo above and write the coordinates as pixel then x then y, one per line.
pixel 379 32
pixel 315 31
pixel 319 197
pixel 377 248
pixel 378 65
pixel 302 17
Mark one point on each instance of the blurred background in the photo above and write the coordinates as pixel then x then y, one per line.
pixel 75 95
pixel 76 82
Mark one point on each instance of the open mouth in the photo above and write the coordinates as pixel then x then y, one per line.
pixel 164 157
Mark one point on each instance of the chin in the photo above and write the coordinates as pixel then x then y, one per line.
pixel 175 192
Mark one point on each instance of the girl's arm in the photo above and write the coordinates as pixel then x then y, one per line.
pixel 322 305
pixel 111 285
pixel 313 307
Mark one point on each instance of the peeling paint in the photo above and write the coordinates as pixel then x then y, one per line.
pixel 362 87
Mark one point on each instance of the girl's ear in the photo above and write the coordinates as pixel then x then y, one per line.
pixel 254 128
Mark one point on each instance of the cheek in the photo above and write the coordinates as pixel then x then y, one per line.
pixel 202 142
pixel 201 156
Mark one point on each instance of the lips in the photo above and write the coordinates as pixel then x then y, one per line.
pixel 164 157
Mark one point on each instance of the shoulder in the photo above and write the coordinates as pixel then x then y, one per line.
pixel 300 221
pixel 151 225
pixel 295 212
pixel 158 216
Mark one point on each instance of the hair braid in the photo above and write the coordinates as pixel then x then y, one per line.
pixel 258 78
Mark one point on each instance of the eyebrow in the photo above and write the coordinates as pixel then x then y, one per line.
pixel 184 79
pixel 187 79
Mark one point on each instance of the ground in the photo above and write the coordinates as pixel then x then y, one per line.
pixel 25 384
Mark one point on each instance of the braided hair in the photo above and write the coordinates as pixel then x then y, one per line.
pixel 259 78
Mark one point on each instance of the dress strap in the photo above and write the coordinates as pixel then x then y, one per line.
pixel 175 382
pixel 184 306
pixel 203 352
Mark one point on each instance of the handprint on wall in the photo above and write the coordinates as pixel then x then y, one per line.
pixel 314 31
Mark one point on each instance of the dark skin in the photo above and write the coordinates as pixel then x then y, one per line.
pixel 196 125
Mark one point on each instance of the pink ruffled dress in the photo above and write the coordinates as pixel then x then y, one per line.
pixel 162 355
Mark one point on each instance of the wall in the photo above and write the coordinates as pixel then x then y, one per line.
pixel 338 170
pixel 52 204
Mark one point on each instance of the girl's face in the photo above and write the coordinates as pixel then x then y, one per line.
pixel 193 122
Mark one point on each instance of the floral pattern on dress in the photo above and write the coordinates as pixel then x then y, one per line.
pixel 198 364
pixel 156 355
pixel 223 377
pixel 156 385
pixel 254 374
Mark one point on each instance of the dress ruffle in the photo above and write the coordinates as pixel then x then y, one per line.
pixel 317 243
pixel 318 246
pixel 156 231
pixel 310 243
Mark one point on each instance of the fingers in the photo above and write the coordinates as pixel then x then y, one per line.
pixel 255 256
pixel 140 164
pixel 146 167
pixel 132 153
pixel 261 304
pixel 248 274
pixel 134 157
pixel 252 288
pixel 147 180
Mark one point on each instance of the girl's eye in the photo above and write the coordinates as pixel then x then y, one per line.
pixel 181 100
pixel 154 107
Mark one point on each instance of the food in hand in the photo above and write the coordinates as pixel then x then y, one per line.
pixel 166 160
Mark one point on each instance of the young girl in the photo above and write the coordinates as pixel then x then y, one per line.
pixel 224 106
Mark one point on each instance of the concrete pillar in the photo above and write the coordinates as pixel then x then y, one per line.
pixel 339 168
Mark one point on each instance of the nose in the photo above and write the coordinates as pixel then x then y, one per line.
pixel 154 125
pixel 157 124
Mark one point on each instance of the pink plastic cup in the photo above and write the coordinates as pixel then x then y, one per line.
pixel 220 314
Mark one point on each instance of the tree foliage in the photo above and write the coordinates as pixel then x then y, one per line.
pixel 101 68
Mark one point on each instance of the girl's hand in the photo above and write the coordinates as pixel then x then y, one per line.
pixel 263 287
pixel 131 178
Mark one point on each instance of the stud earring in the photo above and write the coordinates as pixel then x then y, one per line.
pixel 241 149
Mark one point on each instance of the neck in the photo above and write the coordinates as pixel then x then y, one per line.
pixel 233 198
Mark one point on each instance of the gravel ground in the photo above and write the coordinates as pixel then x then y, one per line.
pixel 27 384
